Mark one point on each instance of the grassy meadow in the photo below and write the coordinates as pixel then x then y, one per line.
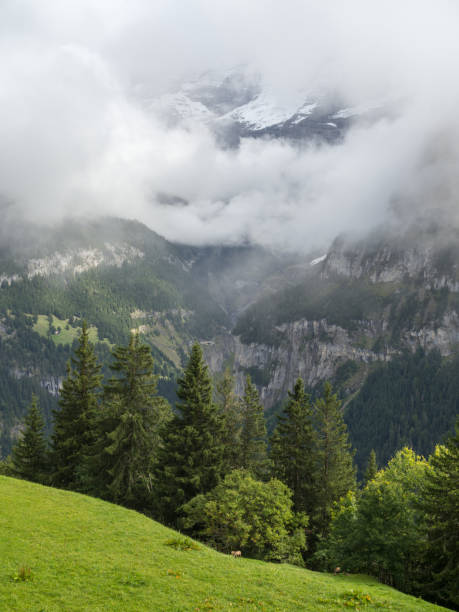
pixel 61 551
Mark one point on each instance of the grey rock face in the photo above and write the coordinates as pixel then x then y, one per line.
pixel 435 264
pixel 314 349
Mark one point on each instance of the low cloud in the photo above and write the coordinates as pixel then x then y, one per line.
pixel 79 138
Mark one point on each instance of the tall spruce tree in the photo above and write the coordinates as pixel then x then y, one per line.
pixel 372 467
pixel 74 423
pixel 230 411
pixel 440 504
pixel 191 459
pixel 294 448
pixel 253 454
pixel 335 470
pixel 120 464
pixel 29 455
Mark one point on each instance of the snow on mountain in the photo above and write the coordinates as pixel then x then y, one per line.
pixel 266 111
pixel 177 107
pixel 355 111
pixel 237 99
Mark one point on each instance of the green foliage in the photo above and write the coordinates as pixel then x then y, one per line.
pixel 356 599
pixel 440 503
pixel 381 531
pixel 23 574
pixel 335 474
pixel 74 423
pixel 120 462
pixel 342 303
pixel 190 461
pixel 253 450
pixel 29 457
pixel 6 467
pixel 182 543
pixel 229 408
pixel 242 513
pixel 411 400
pixel 27 361
pixel 372 467
pixel 294 449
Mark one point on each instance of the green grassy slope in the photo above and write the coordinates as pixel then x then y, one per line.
pixel 88 555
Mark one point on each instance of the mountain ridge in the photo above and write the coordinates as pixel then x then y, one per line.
pixel 275 316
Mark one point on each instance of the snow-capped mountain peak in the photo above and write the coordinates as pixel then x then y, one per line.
pixel 236 102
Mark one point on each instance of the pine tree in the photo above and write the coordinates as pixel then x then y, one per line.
pixel 372 467
pixel 74 422
pixel 335 470
pixel 121 462
pixel 229 409
pixel 253 455
pixel 29 455
pixel 440 503
pixel 294 448
pixel 191 459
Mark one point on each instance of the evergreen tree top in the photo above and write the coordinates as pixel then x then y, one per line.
pixel 372 467
pixel 133 366
pixel 195 386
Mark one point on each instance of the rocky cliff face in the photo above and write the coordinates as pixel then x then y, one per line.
pixel 315 350
pixel 433 262
pixel 312 350
pixel 76 261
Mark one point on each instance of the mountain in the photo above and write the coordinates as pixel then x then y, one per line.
pixel 344 314
pixel 348 315
pixel 237 104
pixel 389 299
pixel 120 276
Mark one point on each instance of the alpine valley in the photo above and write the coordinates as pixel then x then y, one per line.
pixel 378 316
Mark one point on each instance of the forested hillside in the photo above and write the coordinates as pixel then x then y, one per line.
pixel 356 317
pixel 410 401
pixel 209 469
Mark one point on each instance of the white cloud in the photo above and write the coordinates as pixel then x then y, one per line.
pixel 76 138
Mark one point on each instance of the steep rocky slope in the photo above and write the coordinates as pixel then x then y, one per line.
pixel 380 319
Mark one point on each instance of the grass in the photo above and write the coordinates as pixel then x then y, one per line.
pixel 81 554
pixel 162 334
pixel 65 336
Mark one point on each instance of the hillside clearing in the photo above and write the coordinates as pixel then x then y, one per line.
pixel 85 554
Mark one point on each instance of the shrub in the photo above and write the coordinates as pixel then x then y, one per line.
pixel 182 543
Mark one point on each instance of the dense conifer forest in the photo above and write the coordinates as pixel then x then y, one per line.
pixel 207 467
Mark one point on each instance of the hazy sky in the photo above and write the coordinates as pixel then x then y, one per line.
pixel 76 136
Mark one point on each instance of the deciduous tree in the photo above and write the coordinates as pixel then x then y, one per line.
pixel 247 514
